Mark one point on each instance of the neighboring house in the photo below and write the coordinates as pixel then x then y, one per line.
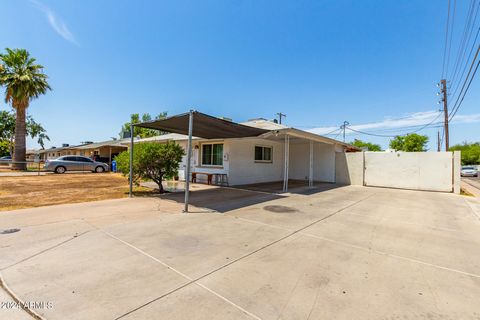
pixel 54 152
pixel 104 151
pixel 262 159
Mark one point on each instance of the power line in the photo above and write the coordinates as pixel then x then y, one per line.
pixel 467 33
pixel 469 83
pixel 451 36
pixel 446 40
pixel 459 101
pixel 404 128
pixel 331 132
pixel 468 59
pixel 391 136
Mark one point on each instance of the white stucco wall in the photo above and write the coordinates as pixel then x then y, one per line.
pixel 239 161
pixel 430 171
pixel 323 161
pixel 242 166
pixel 349 168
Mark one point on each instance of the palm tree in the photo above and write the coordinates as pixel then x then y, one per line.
pixel 24 81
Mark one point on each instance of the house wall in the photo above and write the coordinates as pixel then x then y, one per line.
pixel 242 166
pixel 349 168
pixel 196 160
pixel 323 161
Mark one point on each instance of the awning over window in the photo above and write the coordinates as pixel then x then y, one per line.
pixel 204 126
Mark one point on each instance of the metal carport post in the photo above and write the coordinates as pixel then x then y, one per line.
pixel 286 158
pixel 189 158
pixel 130 174
pixel 310 173
pixel 206 127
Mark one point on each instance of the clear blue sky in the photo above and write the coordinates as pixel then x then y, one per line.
pixel 320 62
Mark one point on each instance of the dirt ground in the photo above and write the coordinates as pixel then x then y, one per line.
pixel 37 191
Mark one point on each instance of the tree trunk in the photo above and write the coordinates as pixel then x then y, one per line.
pixel 19 151
pixel 160 187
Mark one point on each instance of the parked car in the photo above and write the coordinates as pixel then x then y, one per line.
pixel 75 163
pixel 5 160
pixel 469 172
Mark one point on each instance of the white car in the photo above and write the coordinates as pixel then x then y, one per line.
pixel 469 172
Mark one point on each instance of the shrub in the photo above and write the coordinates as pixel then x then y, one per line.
pixel 153 161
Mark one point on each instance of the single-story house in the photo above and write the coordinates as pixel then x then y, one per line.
pixel 104 151
pixel 278 152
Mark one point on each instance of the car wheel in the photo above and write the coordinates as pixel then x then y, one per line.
pixel 60 169
pixel 99 169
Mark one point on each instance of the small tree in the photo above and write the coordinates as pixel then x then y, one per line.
pixel 138 131
pixel 410 143
pixel 7 130
pixel 470 152
pixel 152 161
pixel 363 144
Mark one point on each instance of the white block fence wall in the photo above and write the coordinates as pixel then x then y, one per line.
pixel 429 171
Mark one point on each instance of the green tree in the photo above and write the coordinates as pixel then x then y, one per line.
pixel 368 145
pixel 470 152
pixel 410 143
pixel 36 130
pixel 5 148
pixel 24 81
pixel 141 132
pixel 152 161
pixel 33 129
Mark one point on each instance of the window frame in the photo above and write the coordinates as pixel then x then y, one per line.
pixel 263 153
pixel 211 155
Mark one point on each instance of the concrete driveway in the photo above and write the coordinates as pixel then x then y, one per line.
pixel 345 253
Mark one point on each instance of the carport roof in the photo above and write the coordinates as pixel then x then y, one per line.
pixel 204 126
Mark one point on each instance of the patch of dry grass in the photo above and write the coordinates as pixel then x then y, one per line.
pixel 50 189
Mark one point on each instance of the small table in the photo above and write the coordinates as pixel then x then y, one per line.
pixel 221 179
pixel 209 176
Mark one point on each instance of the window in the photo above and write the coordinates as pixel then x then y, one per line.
pixel 83 159
pixel 263 154
pixel 212 154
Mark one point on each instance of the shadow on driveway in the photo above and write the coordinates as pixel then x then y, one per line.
pixel 222 199
pixel 294 186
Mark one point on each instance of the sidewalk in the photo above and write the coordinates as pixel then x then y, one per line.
pixel 471 187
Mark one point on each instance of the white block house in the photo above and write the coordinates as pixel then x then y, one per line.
pixel 309 157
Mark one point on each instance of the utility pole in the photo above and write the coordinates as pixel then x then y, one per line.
pixel 443 83
pixel 438 141
pixel 280 115
pixel 344 126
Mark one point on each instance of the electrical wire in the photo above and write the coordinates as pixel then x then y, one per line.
pixel 446 40
pixel 331 132
pixel 391 136
pixel 454 111
pixel 466 64
pixel 456 104
pixel 451 36
pixel 467 34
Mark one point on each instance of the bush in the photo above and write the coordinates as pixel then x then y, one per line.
pixel 470 152
pixel 153 161
pixel 410 143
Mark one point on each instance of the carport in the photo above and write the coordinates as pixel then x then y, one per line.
pixel 196 124
pixel 312 159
